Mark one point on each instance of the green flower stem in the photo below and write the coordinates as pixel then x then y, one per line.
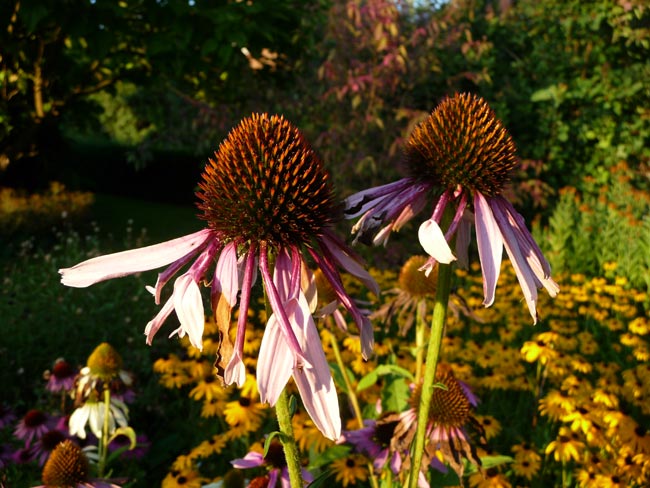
pixel 291 453
pixel 103 442
pixel 433 353
pixel 353 399
pixel 420 332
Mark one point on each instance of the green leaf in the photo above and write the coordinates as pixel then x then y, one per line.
pixel 395 393
pixel 326 457
pixel 267 442
pixel 125 431
pixel 321 479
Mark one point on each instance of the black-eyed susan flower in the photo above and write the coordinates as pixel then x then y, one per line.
pixel 462 156
pixel 268 204
pixel 566 447
pixel 67 467
pixel 187 478
pixel 245 411
pixel 350 470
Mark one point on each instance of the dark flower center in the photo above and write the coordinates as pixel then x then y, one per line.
pixel 383 432
pixel 51 439
pixel 62 370
pixel 275 455
pixel 462 143
pixel 34 418
pixel 449 406
pixel 67 466
pixel 266 184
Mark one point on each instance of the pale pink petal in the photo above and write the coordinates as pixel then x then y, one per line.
pixel 490 247
pixel 250 460
pixel 275 362
pixel 463 239
pixel 227 274
pixel 314 380
pixel 351 265
pixel 133 261
pixel 235 372
pixel 433 242
pixel 188 304
pixel 154 325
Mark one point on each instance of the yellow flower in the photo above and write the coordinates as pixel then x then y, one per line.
pixel 183 479
pixel 526 468
pixel 556 404
pixel 214 445
pixel 246 412
pixel 566 447
pixel 489 479
pixel 538 351
pixel 350 470
pixel 308 436
pixel 491 426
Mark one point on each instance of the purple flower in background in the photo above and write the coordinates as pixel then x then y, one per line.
pixel 61 377
pixel 7 416
pixel 269 207
pixel 460 157
pixel 276 463
pixel 33 425
pixel 42 448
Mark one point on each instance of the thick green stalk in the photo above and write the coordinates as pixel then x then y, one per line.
pixel 291 453
pixel 103 442
pixel 420 332
pixel 433 353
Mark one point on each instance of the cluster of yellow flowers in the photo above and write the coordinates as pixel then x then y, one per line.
pixel 38 212
pixel 563 403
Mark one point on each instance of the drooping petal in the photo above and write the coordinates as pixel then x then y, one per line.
pixel 525 275
pixel 133 261
pixel 235 372
pixel 433 242
pixel 490 247
pixel 362 201
pixel 226 275
pixel 275 362
pixel 463 239
pixel 189 309
pixel 314 380
pixel 154 325
pixel 348 262
pixel 529 248
pixel 250 460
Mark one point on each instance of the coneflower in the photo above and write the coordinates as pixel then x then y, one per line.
pixel 268 204
pixel 450 426
pixel 67 467
pixel 461 158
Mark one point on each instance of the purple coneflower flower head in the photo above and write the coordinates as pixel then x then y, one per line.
pixel 46 444
pixel 68 467
pixel 461 156
pixel 62 376
pixel 33 425
pixel 374 440
pixel 276 463
pixel 269 207
pixel 450 428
